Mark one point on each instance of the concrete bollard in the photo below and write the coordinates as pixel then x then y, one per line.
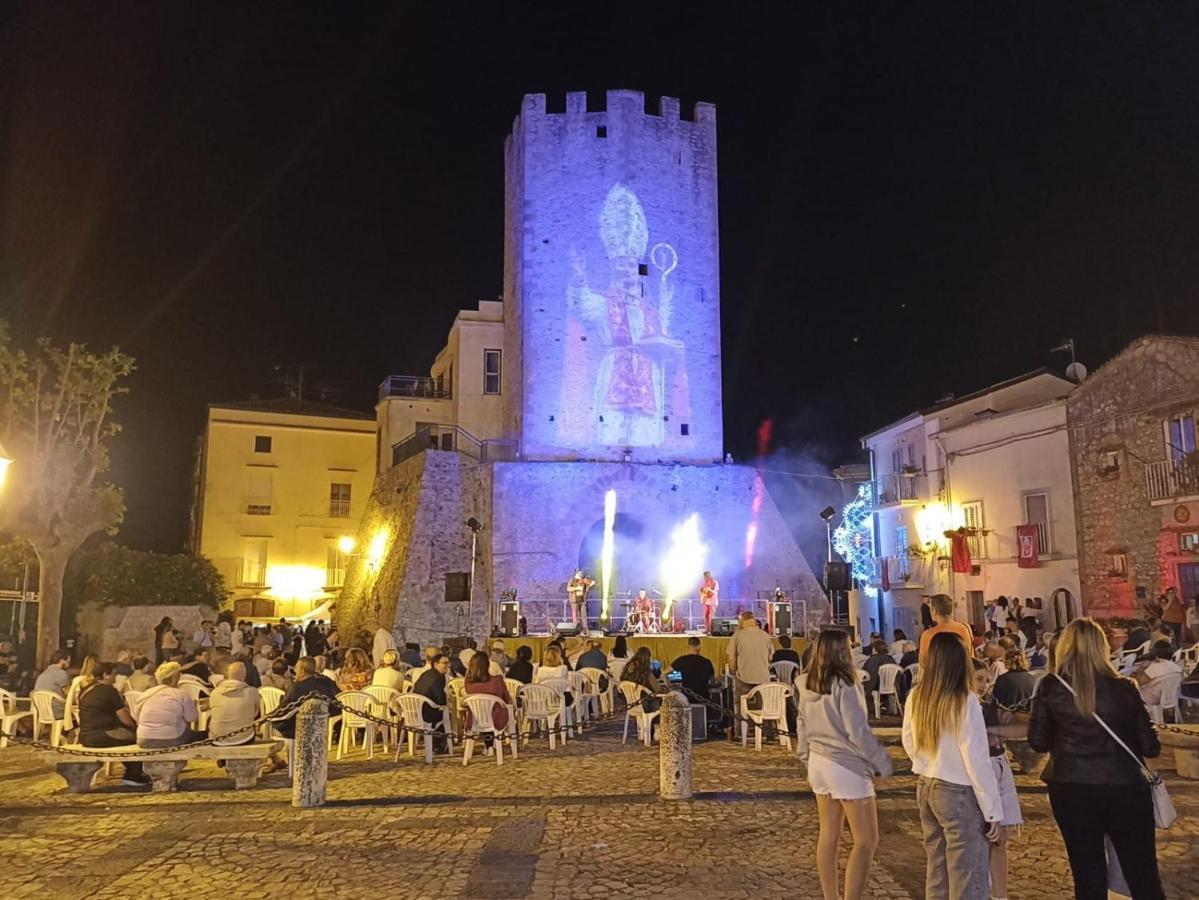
pixel 674 748
pixel 310 755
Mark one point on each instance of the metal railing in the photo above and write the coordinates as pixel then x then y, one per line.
pixel 415 386
pixel 339 509
pixel 898 487
pixel 899 569
pixel 1168 479
pixel 254 577
pixel 451 437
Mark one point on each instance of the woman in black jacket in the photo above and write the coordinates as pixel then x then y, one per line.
pixel 1095 787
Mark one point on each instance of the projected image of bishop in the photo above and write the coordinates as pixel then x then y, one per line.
pixel 641 380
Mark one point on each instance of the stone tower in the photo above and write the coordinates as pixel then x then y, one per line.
pixel 612 282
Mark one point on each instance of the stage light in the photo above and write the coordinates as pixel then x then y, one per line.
pixel 608 550
pixel 683 562
pixel 346 544
pixel 932 521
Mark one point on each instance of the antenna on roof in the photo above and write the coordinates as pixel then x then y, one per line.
pixel 1076 371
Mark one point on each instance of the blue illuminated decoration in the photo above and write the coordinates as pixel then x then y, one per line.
pixel 634 368
pixel 854 537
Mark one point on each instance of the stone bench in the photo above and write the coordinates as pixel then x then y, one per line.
pixel 242 762
pixel 1186 749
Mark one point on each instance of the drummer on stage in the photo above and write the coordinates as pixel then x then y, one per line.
pixel 577 588
pixel 646 610
pixel 709 596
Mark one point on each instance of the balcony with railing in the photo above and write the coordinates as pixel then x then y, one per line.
pixel 899 488
pixel 1172 479
pixel 899 570
pixel 415 386
pixel 339 509
pixel 251 576
pixel 453 438
pixel 1044 539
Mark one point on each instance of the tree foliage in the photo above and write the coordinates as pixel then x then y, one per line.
pixel 55 423
pixel 111 575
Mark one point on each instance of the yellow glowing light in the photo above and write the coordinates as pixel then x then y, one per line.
pixel 346 544
pixel 932 521
pixel 295 582
pixel 684 561
pixel 5 462
pixel 377 549
pixel 608 550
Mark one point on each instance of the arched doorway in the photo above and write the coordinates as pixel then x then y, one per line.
pixel 1065 607
pixel 636 556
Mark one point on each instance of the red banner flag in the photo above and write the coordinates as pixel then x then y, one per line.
pixel 962 563
pixel 1028 546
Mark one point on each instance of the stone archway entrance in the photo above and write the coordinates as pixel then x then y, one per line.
pixel 1064 606
pixel 636 557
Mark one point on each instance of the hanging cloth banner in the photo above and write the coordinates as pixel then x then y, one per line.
pixel 960 554
pixel 1028 546
pixel 886 571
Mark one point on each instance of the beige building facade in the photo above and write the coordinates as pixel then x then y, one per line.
pixel 460 405
pixel 279 484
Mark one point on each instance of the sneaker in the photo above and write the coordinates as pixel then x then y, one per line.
pixel 136 781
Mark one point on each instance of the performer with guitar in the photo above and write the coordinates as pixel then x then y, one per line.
pixel 577 588
pixel 709 596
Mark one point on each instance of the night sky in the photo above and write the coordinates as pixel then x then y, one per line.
pixel 913 201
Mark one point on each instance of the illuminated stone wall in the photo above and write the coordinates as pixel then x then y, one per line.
pixel 612 319
pixel 1120 410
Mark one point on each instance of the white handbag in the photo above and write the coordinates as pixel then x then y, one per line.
pixel 1164 813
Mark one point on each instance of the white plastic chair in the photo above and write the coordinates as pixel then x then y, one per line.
pixel 774 709
pixel 411 707
pixel 784 671
pixel 482 721
pixel 1169 688
pixel 71 704
pixel 570 713
pixel 455 690
pixel 11 713
pixel 381 696
pixel 914 671
pixel 269 699
pixel 356 702
pixel 886 687
pixel 514 687
pixel 541 704
pixel 194 689
pixel 633 693
pixel 602 696
pixel 43 714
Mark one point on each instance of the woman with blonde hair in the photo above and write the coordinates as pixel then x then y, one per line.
pixel 843 756
pixel 1097 787
pixel 356 671
pixel 946 739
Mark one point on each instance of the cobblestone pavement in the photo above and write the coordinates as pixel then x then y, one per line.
pixel 581 822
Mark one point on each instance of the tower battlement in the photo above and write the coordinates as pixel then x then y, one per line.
pixel 702 113
pixel 612 281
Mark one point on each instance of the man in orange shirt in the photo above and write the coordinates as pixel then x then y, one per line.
pixel 942 607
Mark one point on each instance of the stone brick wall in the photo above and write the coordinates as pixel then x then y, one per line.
pixel 602 207
pixel 1120 410
pixel 105 631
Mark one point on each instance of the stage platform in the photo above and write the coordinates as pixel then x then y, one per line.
pixel 664 647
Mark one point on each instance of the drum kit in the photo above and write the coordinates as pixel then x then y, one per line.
pixel 644 619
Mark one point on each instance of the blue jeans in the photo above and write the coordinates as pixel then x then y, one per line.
pixel 955 841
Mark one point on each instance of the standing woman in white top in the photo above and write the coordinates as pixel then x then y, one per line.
pixel 842 756
pixel 958 797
